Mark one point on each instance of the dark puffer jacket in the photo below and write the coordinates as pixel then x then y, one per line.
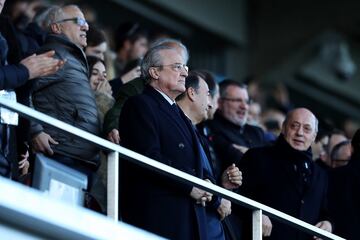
pixel 67 96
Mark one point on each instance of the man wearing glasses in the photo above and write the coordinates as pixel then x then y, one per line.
pixel 153 125
pixel 66 95
pixel 232 135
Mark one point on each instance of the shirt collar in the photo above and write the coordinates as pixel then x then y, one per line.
pixel 167 98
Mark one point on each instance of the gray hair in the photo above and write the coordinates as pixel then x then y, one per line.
pixel 55 14
pixel 153 58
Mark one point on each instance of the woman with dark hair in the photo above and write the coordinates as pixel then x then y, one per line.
pixel 344 194
pixel 100 85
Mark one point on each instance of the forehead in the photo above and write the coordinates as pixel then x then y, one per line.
pixel 303 118
pixel 73 12
pixel 170 56
pixel 203 85
pixel 237 92
pixel 99 65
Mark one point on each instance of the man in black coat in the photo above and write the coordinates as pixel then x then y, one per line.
pixel 153 125
pixel 232 136
pixel 284 177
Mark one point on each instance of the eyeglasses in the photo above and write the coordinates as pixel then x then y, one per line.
pixel 238 100
pixel 177 67
pixel 77 20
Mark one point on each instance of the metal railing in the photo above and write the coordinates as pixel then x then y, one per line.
pixel 113 168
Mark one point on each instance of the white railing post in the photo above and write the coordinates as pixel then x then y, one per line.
pixel 257 225
pixel 113 185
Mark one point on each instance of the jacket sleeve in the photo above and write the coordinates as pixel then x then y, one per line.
pixel 13 76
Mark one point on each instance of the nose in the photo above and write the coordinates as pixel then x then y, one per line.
pixel 85 27
pixel 300 131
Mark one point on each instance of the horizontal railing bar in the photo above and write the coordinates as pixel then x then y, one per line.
pixel 167 170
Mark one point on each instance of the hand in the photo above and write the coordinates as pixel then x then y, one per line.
pixel 200 196
pixel 42 65
pixel 104 87
pixel 41 143
pixel 240 148
pixel 24 164
pixel 231 177
pixel 130 75
pixel 224 209
pixel 266 226
pixel 113 136
pixel 324 225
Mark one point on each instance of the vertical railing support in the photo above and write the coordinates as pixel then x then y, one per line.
pixel 257 225
pixel 113 185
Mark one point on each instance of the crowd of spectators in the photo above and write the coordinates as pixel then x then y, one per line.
pixel 53 60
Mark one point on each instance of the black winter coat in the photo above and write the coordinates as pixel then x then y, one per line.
pixel 287 180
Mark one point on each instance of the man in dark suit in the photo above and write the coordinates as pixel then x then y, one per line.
pixel 283 176
pixel 153 125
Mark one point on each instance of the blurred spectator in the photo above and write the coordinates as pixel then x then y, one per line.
pixel 335 137
pixel 344 194
pixel 67 95
pixel 318 147
pixel 131 45
pixel 279 98
pixel 284 177
pixel 341 153
pixel 13 76
pixel 350 126
pixel 272 121
pixel 96 42
pixel 232 135
pixel 254 114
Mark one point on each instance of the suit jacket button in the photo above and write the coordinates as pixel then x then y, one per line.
pixel 181 145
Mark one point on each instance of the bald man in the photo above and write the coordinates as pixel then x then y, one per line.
pixel 283 176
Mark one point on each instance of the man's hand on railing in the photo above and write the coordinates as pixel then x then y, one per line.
pixel 324 225
pixel 231 177
pixel 200 195
pixel 224 209
pixel 41 143
pixel 113 136
pixel 266 226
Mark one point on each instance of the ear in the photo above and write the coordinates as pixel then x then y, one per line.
pixel 55 28
pixel 191 93
pixel 154 73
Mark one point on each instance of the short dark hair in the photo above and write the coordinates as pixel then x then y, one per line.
pixel 128 31
pixel 95 36
pixel 227 83
pixel 210 80
pixel 191 81
pixel 336 149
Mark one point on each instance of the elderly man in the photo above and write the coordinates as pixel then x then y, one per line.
pixel 283 176
pixel 232 135
pixel 153 125
pixel 67 95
